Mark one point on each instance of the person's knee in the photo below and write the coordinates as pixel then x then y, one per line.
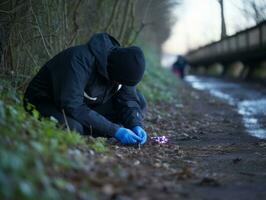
pixel 75 126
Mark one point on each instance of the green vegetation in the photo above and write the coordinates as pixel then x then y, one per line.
pixel 35 154
pixel 98 145
pixel 159 84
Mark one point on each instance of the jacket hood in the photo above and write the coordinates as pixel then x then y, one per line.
pixel 100 45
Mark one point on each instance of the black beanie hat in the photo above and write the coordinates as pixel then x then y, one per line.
pixel 126 65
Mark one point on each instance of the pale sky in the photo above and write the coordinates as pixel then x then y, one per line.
pixel 199 23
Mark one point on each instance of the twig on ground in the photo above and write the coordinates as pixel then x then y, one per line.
pixel 65 118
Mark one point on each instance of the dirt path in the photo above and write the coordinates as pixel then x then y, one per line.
pixel 209 156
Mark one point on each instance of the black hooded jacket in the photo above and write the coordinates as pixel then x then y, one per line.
pixel 76 80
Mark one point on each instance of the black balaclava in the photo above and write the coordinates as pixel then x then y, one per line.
pixel 126 65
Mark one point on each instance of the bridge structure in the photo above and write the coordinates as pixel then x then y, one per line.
pixel 247 46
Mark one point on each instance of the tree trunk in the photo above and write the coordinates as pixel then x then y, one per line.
pixel 223 25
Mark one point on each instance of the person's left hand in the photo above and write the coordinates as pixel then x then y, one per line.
pixel 139 131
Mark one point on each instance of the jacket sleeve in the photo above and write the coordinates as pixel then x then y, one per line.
pixel 68 82
pixel 128 107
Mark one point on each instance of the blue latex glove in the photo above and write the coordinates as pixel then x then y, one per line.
pixel 126 136
pixel 139 131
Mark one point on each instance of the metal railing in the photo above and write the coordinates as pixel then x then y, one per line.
pixel 247 45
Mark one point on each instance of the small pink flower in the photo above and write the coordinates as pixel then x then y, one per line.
pixel 160 139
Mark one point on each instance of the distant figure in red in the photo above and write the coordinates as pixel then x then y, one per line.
pixel 179 66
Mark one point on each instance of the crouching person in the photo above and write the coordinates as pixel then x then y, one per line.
pixel 92 88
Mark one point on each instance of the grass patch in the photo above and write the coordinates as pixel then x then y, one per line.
pixel 159 84
pixel 98 145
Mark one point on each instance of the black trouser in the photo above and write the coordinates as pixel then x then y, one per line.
pixel 47 109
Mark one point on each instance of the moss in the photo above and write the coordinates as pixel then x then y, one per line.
pixel 98 145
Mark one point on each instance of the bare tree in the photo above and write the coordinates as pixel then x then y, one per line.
pixel 254 10
pixel 223 24
pixel 158 20
pixel 33 31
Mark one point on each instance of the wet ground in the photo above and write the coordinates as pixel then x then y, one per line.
pixel 248 99
pixel 210 155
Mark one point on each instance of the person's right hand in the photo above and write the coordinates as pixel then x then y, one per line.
pixel 126 136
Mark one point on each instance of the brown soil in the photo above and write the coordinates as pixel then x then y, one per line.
pixel 209 156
